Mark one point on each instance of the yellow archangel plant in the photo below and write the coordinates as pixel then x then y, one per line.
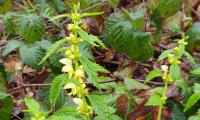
pixel 71 62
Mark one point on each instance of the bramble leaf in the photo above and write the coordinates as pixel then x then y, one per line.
pixel 11 46
pixel 30 27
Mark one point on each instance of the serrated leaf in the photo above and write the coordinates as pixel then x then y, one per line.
pixel 93 40
pixel 195 117
pixel 196 71
pixel 168 8
pixel 5 5
pixel 145 49
pixel 33 105
pixel 152 99
pixel 191 101
pixel 190 58
pixel 153 74
pixel 125 37
pixel 196 88
pixel 31 55
pixel 164 54
pixel 102 109
pixel 30 27
pixel 92 69
pixel 6 106
pixel 174 71
pixel 56 87
pixel 52 50
pixel 194 35
pixel 132 84
pixel 11 46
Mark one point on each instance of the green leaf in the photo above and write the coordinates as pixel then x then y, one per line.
pixel 194 36
pixel 123 34
pixel 153 74
pixel 196 88
pixel 174 72
pixel 91 14
pixel 190 58
pixel 164 54
pixel 196 117
pixel 176 109
pixel 11 46
pixel 196 71
pixel 191 101
pixel 145 49
pixel 92 69
pixel 33 106
pixel 52 49
pixel 132 84
pixel 152 99
pixel 5 5
pixel 56 87
pixel 110 117
pixel 102 109
pixel 93 40
pixel 6 106
pixel 30 27
pixel 55 117
pixel 31 55
pixel 168 8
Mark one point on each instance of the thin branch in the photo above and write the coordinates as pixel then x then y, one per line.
pixel 87 83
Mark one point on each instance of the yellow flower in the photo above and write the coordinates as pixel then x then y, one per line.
pixel 68 66
pixel 72 87
pixel 79 102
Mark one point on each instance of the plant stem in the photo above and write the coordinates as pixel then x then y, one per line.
pixel 162 101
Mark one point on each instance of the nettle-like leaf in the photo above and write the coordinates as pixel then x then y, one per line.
pixel 62 117
pixel 102 110
pixel 194 36
pixel 11 46
pixel 174 72
pixel 93 40
pixel 8 21
pixel 6 106
pixel 194 98
pixel 124 35
pixel 51 50
pixel 132 84
pixel 195 117
pixel 31 55
pixel 196 71
pixel 153 74
pixel 156 96
pixel 164 54
pixel 56 87
pixel 168 8
pixel 33 106
pixel 92 69
pixel 5 5
pixel 30 27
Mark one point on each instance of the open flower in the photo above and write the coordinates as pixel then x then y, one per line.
pixel 68 66
pixel 72 87
pixel 79 102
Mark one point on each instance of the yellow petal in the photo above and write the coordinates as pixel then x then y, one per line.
pixel 69 86
pixel 65 61
pixel 78 101
pixel 66 68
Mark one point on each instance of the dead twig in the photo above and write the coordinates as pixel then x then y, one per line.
pixel 87 83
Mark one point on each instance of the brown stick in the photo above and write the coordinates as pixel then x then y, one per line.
pixel 87 83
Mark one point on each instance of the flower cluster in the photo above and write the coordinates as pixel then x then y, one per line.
pixel 73 68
